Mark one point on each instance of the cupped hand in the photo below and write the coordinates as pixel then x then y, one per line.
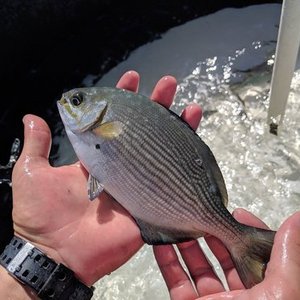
pixel 281 278
pixel 51 207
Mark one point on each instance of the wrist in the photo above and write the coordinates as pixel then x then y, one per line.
pixel 10 288
pixel 55 255
pixel 61 251
pixel 41 274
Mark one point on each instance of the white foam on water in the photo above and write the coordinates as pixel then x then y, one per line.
pixel 223 62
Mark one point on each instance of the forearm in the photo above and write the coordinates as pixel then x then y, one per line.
pixel 11 289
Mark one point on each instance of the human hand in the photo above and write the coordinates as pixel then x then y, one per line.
pixel 51 207
pixel 281 278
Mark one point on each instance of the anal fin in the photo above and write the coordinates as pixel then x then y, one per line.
pixel 154 235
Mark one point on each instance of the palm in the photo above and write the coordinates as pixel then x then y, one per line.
pixel 56 214
pixel 51 206
pixel 38 212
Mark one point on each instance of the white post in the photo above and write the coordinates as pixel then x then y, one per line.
pixel 285 59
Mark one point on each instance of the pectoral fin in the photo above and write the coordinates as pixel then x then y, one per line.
pixel 94 187
pixel 109 130
pixel 154 235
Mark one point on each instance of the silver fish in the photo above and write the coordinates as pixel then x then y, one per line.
pixel 161 171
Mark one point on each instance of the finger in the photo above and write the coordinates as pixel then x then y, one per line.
pixel 245 217
pixel 200 269
pixel 37 138
pixel 284 265
pixel 177 281
pixel 224 258
pixel 164 91
pixel 222 254
pixel 192 115
pixel 129 81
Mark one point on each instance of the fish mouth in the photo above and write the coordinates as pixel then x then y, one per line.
pixel 62 101
pixel 63 106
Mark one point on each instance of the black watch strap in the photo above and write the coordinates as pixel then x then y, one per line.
pixel 49 279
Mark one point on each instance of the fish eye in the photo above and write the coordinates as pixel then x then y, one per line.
pixel 77 99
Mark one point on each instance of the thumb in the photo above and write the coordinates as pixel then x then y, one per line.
pixel 285 258
pixel 37 138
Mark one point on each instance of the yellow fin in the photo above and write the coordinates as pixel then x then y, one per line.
pixel 109 130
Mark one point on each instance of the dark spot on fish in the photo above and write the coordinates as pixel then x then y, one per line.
pixel 97 146
pixel 199 163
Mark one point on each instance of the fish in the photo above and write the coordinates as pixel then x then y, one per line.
pixel 161 171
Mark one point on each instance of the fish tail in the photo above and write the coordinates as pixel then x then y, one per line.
pixel 252 255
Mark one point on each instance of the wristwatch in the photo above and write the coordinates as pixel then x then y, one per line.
pixel 48 279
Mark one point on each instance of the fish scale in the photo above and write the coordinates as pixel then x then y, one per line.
pixel 137 170
pixel 129 136
pixel 187 151
pixel 168 172
pixel 161 171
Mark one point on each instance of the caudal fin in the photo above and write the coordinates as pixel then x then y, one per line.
pixel 251 257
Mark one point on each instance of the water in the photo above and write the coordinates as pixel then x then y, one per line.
pixel 6 171
pixel 261 170
pixel 223 62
